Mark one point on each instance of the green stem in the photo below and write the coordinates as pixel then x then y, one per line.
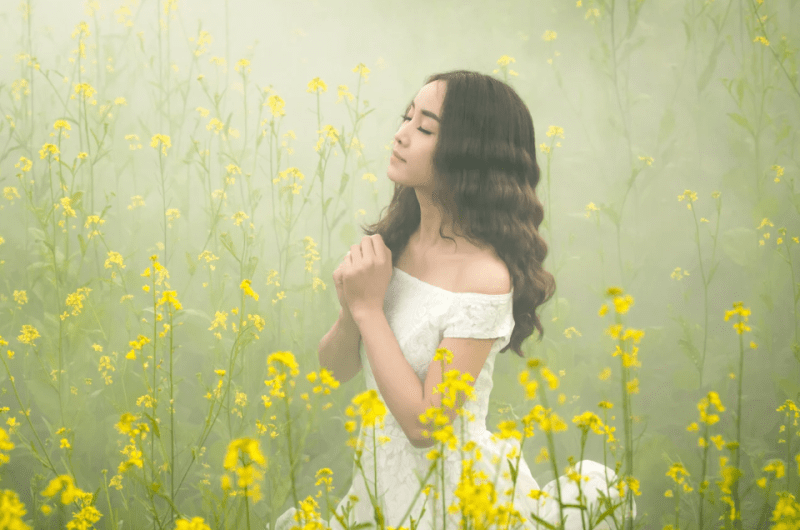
pixel 171 419
pixel 30 424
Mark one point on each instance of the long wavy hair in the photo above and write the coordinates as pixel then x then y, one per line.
pixel 485 176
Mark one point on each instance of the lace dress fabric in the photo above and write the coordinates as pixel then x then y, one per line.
pixel 420 316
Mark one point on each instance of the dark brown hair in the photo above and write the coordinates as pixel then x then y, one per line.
pixel 485 175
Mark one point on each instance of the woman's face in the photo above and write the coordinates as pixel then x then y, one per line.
pixel 416 138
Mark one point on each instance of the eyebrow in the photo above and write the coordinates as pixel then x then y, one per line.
pixel 428 113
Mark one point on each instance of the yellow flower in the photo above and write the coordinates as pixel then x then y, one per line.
pixel 238 217
pixel 75 300
pixel 25 164
pixel 508 429
pixel 738 309
pixel 114 257
pixel 62 124
pixel 284 357
pixel 370 408
pixel 677 472
pixel 13 511
pixel 247 446
pixel 245 286
pixel 589 420
pixel 66 202
pixel 316 85
pixel 162 139
pixel 28 334
pixel 197 523
pixel 125 422
pixel 551 378
pixel 48 148
pixel 10 193
pixel 5 445
pixel 170 297
pixel 776 466
pixel 21 297
pixel 70 491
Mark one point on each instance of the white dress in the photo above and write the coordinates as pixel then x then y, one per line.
pixel 420 315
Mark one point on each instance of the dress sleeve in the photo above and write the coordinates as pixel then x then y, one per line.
pixel 480 316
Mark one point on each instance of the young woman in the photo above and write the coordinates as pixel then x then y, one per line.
pixel 456 264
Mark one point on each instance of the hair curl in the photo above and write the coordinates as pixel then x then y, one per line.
pixel 486 173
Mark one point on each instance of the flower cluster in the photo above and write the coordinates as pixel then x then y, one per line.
pixel 75 301
pixel 247 473
pixel 477 502
pixel 455 389
pixel 274 361
pixel 135 433
pixel 88 514
pixel 28 334
pixel 136 345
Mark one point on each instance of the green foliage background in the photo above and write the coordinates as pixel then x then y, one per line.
pixel 668 135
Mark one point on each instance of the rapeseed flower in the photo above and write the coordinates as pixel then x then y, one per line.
pixel 10 193
pixel 197 523
pixel 136 345
pixel 170 298
pixel 370 408
pixel 61 126
pixel 49 149
pixel 114 258
pixel 247 474
pixel 245 286
pixel 738 309
pixel 12 511
pixel 589 420
pixel 163 140
pixel 24 164
pixel 75 300
pixel 5 445
pixel 125 422
pixel 66 483
pixel 28 334
pixel 20 297
pixel 134 457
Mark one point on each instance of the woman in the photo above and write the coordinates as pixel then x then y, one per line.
pixel 456 264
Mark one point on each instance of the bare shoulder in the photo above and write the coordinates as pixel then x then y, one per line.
pixel 485 273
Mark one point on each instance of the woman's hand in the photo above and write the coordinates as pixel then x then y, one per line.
pixel 366 275
pixel 338 280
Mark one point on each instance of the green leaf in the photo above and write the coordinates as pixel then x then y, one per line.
pixel 737 244
pixel 154 425
pixel 227 242
pixel 83 244
pixel 338 216
pixel 702 81
pixel 667 125
pixel 191 262
pixel 347 234
pixel 343 183
pixel 325 205
pixel 713 270
pixel 691 351
pixel 76 198
pixel 541 521
pixel 514 470
pixel 741 120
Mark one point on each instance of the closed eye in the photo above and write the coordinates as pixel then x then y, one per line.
pixel 420 128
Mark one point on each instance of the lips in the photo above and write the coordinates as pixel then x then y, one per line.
pixel 397 156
